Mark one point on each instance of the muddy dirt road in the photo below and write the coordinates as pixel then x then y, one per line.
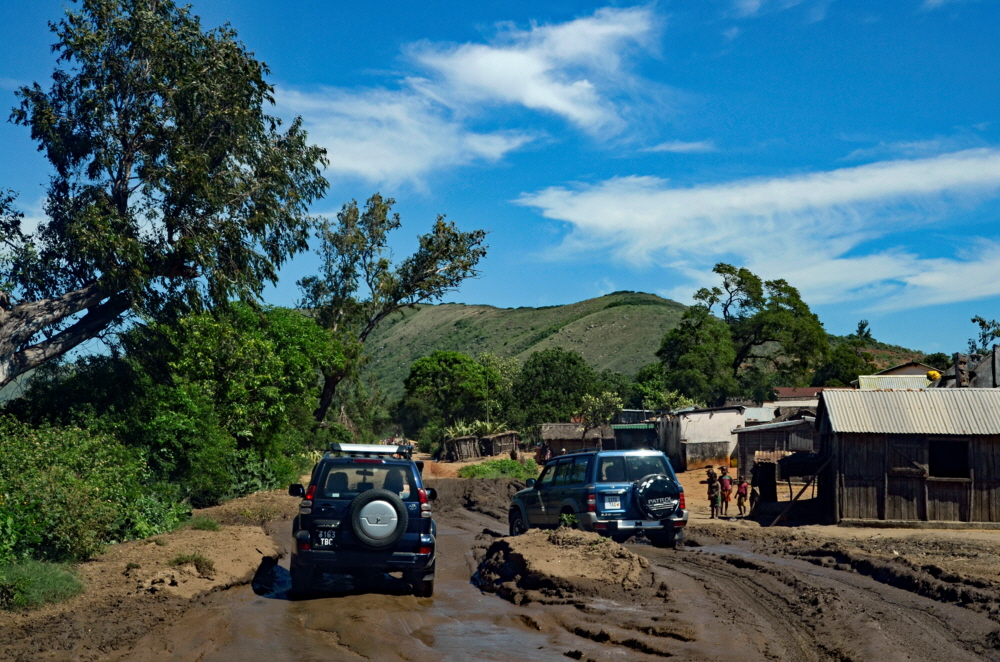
pixel 720 602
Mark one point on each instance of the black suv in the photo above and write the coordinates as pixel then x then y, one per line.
pixel 615 493
pixel 365 511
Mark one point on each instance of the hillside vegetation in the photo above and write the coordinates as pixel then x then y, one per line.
pixel 619 331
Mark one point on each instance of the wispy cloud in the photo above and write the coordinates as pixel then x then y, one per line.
pixel 393 136
pixel 915 148
pixel 815 10
pixel 683 147
pixel 578 70
pixel 810 229
pixel 934 4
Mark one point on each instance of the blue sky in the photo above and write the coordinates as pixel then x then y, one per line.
pixel 852 148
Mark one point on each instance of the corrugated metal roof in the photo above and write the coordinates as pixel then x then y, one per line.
pixel 932 411
pixel 772 426
pixel 895 382
pixel 633 426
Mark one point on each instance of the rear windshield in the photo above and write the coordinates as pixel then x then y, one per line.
pixel 628 468
pixel 346 481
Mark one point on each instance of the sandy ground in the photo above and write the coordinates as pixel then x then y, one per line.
pixel 735 591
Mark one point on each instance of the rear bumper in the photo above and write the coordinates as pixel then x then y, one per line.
pixel 591 522
pixel 346 560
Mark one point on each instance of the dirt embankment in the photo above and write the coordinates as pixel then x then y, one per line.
pixel 138 585
pixel 563 566
pixel 487 496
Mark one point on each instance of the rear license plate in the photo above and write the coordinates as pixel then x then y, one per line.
pixel 325 538
pixel 612 503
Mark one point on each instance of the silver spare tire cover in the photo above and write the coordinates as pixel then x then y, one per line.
pixel 378 519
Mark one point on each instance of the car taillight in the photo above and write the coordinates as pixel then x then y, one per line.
pixel 682 505
pixel 425 505
pixel 311 492
pixel 424 550
pixel 591 500
pixel 303 545
pixel 366 461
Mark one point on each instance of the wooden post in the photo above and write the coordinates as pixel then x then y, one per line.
pixel 804 488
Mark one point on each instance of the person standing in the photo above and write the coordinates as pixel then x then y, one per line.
pixel 742 490
pixel 726 487
pixel 714 494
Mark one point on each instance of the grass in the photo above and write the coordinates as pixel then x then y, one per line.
pixel 203 523
pixel 506 468
pixel 31 584
pixel 203 565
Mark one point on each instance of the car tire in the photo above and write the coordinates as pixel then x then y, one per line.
pixel 666 538
pixel 424 589
pixel 655 487
pixel 356 513
pixel 517 523
pixel 302 582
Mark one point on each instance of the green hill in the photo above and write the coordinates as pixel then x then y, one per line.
pixel 620 331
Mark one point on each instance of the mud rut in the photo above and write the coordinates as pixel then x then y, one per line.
pixel 723 602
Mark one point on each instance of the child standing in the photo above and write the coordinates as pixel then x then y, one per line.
pixel 742 490
pixel 726 485
pixel 714 495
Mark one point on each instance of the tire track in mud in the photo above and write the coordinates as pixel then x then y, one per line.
pixel 794 611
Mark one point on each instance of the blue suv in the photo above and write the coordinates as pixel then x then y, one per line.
pixel 364 512
pixel 615 493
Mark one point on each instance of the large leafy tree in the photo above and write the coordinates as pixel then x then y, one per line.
pixel 171 186
pixel 551 386
pixel 444 388
pixel 989 333
pixel 358 286
pixel 769 323
pixel 697 357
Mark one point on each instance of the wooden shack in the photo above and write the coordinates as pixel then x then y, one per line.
pixel 787 436
pixel 570 437
pixel 501 443
pixel 931 455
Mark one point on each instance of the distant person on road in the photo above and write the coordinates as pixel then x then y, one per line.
pixel 742 491
pixel 726 485
pixel 714 494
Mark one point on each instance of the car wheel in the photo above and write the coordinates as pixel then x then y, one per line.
pixel 517 524
pixel 424 589
pixel 302 582
pixel 663 538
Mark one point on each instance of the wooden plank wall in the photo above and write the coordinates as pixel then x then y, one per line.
pixel 884 477
pixel 986 479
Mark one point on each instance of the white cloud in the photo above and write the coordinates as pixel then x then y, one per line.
pixel 575 70
pixel 915 148
pixel 683 147
pixel 934 4
pixel 808 229
pixel 391 136
pixel 731 33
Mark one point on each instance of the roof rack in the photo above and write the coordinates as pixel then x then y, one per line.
pixel 367 450
pixel 592 449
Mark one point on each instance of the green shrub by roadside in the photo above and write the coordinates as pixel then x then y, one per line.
pixel 30 584
pixel 66 492
pixel 505 468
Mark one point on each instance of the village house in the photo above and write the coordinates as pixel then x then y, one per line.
pixel 909 456
pixel 695 438
pixel 972 371
pixel 559 437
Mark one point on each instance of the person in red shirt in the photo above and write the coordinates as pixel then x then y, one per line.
pixel 726 487
pixel 742 492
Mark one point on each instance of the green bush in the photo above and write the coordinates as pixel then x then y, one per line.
pixel 505 468
pixel 31 584
pixel 67 492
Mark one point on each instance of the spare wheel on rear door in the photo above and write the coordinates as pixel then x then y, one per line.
pixel 657 496
pixel 378 519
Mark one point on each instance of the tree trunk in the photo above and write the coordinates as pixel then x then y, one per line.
pixel 21 323
pixel 330 384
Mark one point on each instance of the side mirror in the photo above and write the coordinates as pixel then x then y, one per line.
pixel 529 483
pixel 432 494
pixel 296 490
